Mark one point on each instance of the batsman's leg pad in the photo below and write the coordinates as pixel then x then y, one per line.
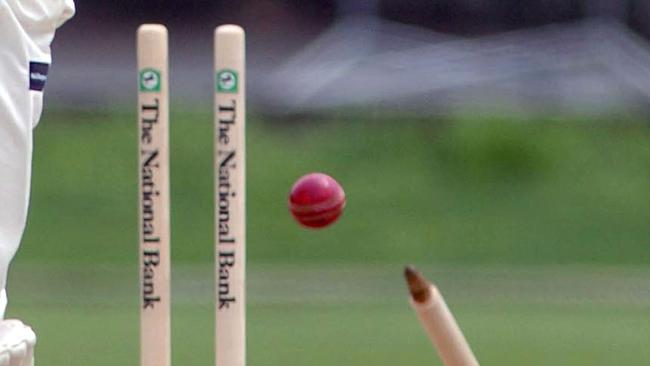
pixel 17 342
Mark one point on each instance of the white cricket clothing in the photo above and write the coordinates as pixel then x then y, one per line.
pixel 26 31
pixel 17 342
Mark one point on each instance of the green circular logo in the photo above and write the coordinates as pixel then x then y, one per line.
pixel 227 81
pixel 149 80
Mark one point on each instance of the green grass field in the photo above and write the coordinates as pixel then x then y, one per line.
pixel 536 231
pixel 352 315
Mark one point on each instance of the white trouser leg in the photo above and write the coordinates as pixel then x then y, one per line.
pixel 26 30
pixel 18 112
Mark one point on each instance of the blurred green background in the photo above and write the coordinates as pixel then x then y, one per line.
pixel 536 230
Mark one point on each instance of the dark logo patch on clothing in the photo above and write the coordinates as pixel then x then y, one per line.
pixel 38 75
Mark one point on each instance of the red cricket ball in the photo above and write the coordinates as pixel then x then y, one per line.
pixel 316 200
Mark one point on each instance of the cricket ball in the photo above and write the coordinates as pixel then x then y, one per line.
pixel 316 200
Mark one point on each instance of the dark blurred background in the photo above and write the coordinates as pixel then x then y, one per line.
pixel 575 56
pixel 467 17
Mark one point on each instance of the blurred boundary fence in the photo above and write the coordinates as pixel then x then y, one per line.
pixel 589 66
